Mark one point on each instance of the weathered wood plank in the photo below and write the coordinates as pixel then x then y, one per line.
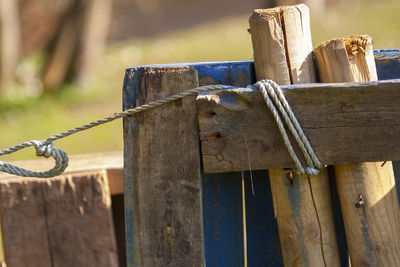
pixel 222 192
pixel 79 220
pixel 337 119
pixel 263 245
pixel 162 173
pixel 23 224
pixel 63 221
pixel 387 64
pixel 222 213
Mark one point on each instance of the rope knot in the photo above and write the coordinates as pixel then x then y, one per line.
pixel 43 150
pixel 281 111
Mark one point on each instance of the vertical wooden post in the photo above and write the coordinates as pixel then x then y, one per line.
pixel 282 52
pixel 162 173
pixel 367 191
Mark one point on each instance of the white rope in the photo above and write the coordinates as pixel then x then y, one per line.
pixel 275 100
pixel 271 92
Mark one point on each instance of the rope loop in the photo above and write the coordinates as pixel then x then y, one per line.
pixel 43 149
pixel 281 110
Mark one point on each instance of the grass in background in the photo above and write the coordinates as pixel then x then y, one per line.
pixel 24 118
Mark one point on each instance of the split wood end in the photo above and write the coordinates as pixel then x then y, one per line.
pixel 346 59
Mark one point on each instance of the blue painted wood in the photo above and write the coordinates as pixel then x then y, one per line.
pixel 222 214
pixel 396 169
pixel 222 219
pixel 222 193
pixel 387 64
pixel 131 90
pixel 388 67
pixel 263 244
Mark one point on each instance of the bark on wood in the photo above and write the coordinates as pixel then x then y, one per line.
pixel 64 221
pixel 162 174
pixel 338 119
pixel 372 228
pixel 282 52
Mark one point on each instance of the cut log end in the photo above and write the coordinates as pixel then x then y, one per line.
pixel 346 59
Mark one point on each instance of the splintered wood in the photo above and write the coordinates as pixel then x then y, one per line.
pixel 283 52
pixel 367 191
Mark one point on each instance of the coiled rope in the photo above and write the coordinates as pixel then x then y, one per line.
pixel 270 91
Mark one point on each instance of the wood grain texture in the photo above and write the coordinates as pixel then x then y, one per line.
pixel 162 174
pixel 373 229
pixel 268 38
pixel 222 192
pixel 82 233
pixel 338 119
pixel 303 209
pixel 263 244
pixel 222 213
pixel 64 221
pixel 23 224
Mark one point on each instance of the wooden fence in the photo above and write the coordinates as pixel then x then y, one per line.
pixel 184 162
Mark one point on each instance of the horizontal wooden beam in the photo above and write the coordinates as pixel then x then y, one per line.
pixel 352 122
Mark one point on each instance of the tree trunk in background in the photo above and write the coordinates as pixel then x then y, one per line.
pixel 79 42
pixel 93 39
pixel 9 41
pixel 314 5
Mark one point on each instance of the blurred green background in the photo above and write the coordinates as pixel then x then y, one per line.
pixel 26 116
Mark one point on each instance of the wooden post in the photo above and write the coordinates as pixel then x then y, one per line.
pixel 63 221
pixel 162 173
pixel 282 52
pixel 367 191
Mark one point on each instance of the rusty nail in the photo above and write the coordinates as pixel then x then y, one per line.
pixel 360 202
pixel 290 175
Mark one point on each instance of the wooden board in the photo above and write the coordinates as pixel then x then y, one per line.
pixel 263 244
pixel 222 213
pixel 23 224
pixel 64 221
pixel 162 172
pixel 222 193
pixel 337 119
pixel 79 221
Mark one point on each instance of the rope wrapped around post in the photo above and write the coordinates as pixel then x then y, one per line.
pixel 271 92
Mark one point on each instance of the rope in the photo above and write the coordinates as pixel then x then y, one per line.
pixel 275 101
pixel 271 92
pixel 45 147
